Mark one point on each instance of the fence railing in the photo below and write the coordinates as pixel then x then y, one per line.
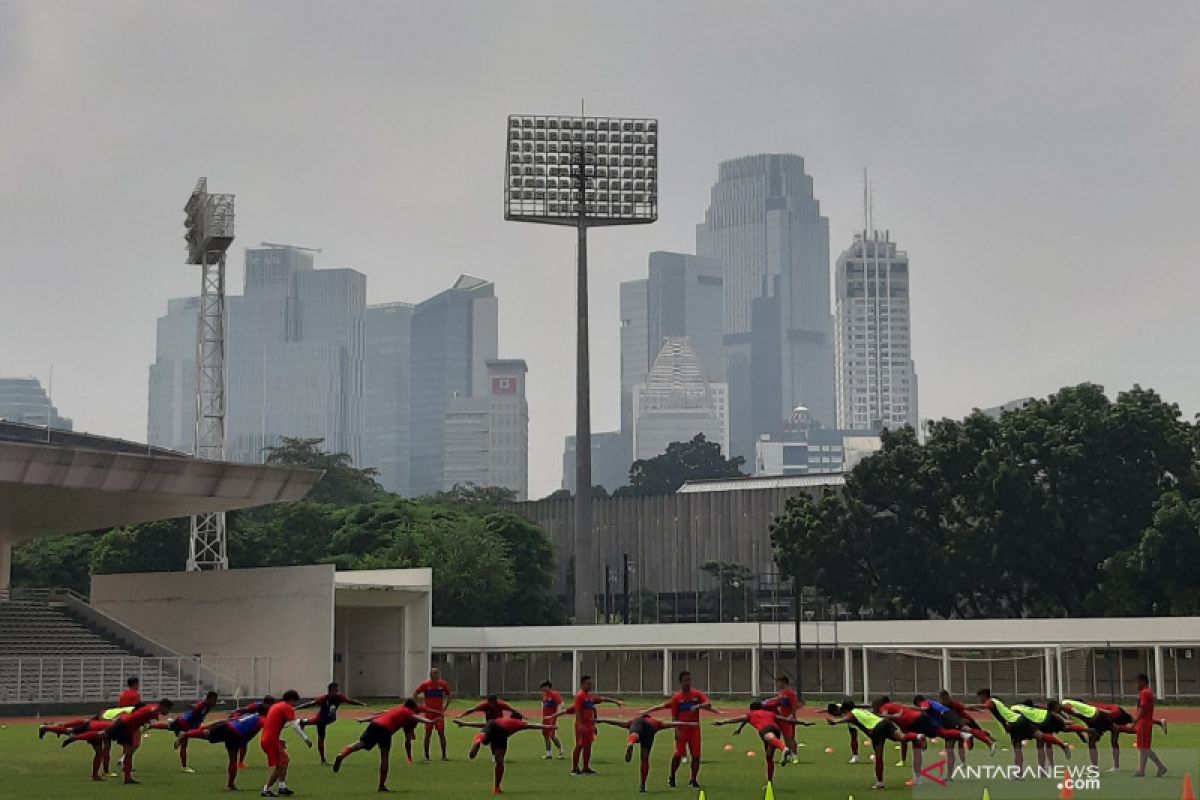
pixel 26 679
pixel 38 595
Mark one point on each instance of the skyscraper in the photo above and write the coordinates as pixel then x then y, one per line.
pixel 677 401
pixel 487 435
pixel 682 296
pixel 24 400
pixel 877 378
pixel 171 422
pixel 386 367
pixel 454 335
pixel 765 227
pixel 294 359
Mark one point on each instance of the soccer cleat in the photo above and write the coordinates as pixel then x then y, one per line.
pixel 129 781
pixel 899 763
pixel 628 754
pixel 1163 722
pixel 590 771
pixel 266 793
pixel 853 760
pixel 383 789
pixel 575 773
pixel 787 758
pixel 242 765
pixel 878 785
pixel 497 790
pixel 548 756
pixel 671 781
pixel 188 771
pixel 1161 771
pixel 992 747
pixel 642 789
pixel 694 784
pixel 337 764
pixel 286 792
pixel 41 731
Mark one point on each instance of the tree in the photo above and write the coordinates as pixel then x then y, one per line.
pixel 473 498
pixel 149 547
pixel 342 484
pixel 732 597
pixel 533 601
pixel 698 459
pixel 61 561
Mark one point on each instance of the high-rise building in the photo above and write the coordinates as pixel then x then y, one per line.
pixel 678 401
pixel 682 297
pixel 294 360
pixel 454 335
pixel 612 454
pixel 386 368
pixel 487 435
pixel 877 379
pixel 765 227
pixel 24 400
pixel 171 422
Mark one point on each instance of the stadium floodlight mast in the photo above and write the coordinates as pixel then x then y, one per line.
pixel 582 172
pixel 209 226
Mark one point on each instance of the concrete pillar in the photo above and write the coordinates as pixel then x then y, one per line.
pixel 1058 663
pixel 1048 663
pixel 5 561
pixel 666 686
pixel 483 673
pixel 866 675
pixel 946 668
pixel 1160 686
pixel 574 671
pixel 755 668
pixel 847 671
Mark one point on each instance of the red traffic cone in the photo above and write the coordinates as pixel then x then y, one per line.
pixel 1187 794
pixel 1067 792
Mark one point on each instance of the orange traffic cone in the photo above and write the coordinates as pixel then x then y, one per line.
pixel 1188 794
pixel 1067 792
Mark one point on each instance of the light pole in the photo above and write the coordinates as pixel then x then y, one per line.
pixel 582 172
pixel 209 232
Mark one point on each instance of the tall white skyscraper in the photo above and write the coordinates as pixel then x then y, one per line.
pixel 877 378
pixel 171 421
pixel 24 400
pixel 765 227
pixel 678 401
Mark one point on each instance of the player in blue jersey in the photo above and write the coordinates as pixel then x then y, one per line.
pixel 189 720
pixel 235 733
pixel 327 707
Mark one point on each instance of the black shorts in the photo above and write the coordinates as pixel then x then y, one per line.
pixel 951 719
pixel 768 730
pixel 645 734
pixel 1123 718
pixel 1053 724
pixel 376 734
pixel 180 725
pixel 222 733
pixel 1101 724
pixel 882 732
pixel 122 735
pixel 1021 731
pixel 928 726
pixel 495 736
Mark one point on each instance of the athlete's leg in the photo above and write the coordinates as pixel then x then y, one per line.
pixel 498 758
pixel 385 757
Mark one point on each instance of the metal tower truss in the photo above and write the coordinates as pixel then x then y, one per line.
pixel 209 234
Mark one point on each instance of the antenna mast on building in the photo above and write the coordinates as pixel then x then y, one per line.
pixel 209 233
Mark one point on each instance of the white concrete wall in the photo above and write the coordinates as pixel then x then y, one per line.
pixel 370 644
pixel 283 613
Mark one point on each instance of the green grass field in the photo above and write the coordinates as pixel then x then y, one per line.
pixel 41 769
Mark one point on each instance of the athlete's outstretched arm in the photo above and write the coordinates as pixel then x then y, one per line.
pixel 674 724
pixel 620 723
pixel 308 703
pixel 742 720
pixel 459 722
pixel 659 707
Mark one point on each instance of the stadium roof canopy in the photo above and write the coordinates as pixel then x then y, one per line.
pixel 56 482
pixel 750 482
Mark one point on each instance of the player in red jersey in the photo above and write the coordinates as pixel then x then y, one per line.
pixel 584 709
pixel 915 720
pixel 767 724
pixel 964 714
pixel 125 731
pixel 235 733
pixel 551 703
pixel 785 703
pixel 642 730
pixel 280 715
pixel 1143 726
pixel 495 733
pixel 435 694
pixel 686 705
pixel 493 707
pixel 188 720
pixel 379 732
pixel 327 707
pixel 101 747
pixel 132 695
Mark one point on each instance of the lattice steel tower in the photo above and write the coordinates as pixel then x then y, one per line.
pixel 209 226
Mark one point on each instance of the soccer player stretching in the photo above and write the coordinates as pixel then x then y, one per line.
pixel 584 709
pixel 495 733
pixel 491 708
pixel 766 723
pixel 281 714
pixel 379 731
pixel 551 702
pixel 235 733
pixel 189 720
pixel 686 705
pixel 642 730
pixel 877 729
pixel 259 707
pixel 435 693
pixel 327 707
pixel 1143 726
pixel 126 731
pixel 785 703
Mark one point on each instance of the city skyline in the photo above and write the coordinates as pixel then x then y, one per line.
pixel 1062 138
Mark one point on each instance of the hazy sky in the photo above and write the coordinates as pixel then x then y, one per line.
pixel 1039 161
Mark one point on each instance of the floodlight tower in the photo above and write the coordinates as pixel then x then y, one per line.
pixel 209 227
pixel 582 172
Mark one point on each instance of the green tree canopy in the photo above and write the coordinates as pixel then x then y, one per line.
pixel 342 484
pixel 698 459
